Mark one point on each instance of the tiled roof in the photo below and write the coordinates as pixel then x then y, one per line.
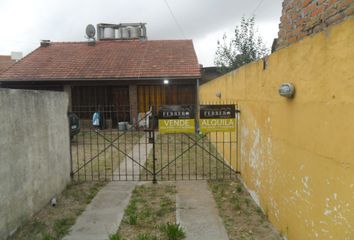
pixel 5 62
pixel 125 59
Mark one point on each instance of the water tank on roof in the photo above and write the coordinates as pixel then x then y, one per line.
pixel 125 33
pixel 134 32
pixel 108 33
pixel 119 33
pixel 16 56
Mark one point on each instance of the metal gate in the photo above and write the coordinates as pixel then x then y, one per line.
pixel 122 151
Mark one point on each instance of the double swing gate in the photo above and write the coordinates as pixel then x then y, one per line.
pixel 157 145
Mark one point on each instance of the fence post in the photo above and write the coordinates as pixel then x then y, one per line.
pixel 71 157
pixel 154 181
pixel 153 140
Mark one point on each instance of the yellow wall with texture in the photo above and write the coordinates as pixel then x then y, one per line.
pixel 297 156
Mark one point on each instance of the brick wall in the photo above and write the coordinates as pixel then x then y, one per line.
pixel 301 18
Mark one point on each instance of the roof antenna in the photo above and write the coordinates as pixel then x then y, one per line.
pixel 90 34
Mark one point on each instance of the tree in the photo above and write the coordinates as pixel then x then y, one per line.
pixel 246 46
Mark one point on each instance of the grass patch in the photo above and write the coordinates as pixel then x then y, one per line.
pixel 191 157
pixel 173 231
pixel 48 237
pixel 146 237
pixel 53 223
pixel 115 237
pixel 242 218
pixel 152 206
pixel 61 226
pixel 88 144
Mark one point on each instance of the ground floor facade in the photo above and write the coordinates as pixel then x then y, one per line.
pixel 127 100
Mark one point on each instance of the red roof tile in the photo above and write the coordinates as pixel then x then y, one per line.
pixel 107 60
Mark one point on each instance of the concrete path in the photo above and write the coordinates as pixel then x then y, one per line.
pixel 197 212
pixel 196 208
pixel 130 167
pixel 103 215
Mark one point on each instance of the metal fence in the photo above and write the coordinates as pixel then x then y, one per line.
pixel 127 146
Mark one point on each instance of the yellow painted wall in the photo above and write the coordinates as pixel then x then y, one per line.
pixel 297 156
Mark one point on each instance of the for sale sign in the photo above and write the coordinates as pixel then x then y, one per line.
pixel 217 118
pixel 176 119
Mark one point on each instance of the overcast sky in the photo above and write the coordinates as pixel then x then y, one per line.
pixel 25 22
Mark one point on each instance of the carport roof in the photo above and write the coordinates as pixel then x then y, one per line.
pixel 115 59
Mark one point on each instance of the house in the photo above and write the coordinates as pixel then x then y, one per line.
pixel 5 62
pixel 128 75
pixel 209 73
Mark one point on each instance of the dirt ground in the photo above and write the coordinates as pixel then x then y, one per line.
pixel 185 157
pixel 242 218
pixel 53 223
pixel 152 206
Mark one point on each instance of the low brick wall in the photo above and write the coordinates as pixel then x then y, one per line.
pixel 301 18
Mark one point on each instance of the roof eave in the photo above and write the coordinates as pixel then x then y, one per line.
pixel 101 79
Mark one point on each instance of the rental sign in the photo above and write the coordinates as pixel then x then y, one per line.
pixel 176 119
pixel 214 118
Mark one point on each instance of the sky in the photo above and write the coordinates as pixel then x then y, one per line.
pixel 26 22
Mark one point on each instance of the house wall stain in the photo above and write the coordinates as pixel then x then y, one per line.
pixel 297 155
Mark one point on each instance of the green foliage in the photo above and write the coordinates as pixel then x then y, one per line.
pixel 247 201
pixel 115 237
pixel 165 202
pixel 236 202
pixel 146 237
pixel 173 231
pixel 170 189
pixel 244 47
pixel 259 211
pixel 62 226
pixel 132 219
pixel 37 226
pixel 146 213
pixel 48 237
pixel 131 213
